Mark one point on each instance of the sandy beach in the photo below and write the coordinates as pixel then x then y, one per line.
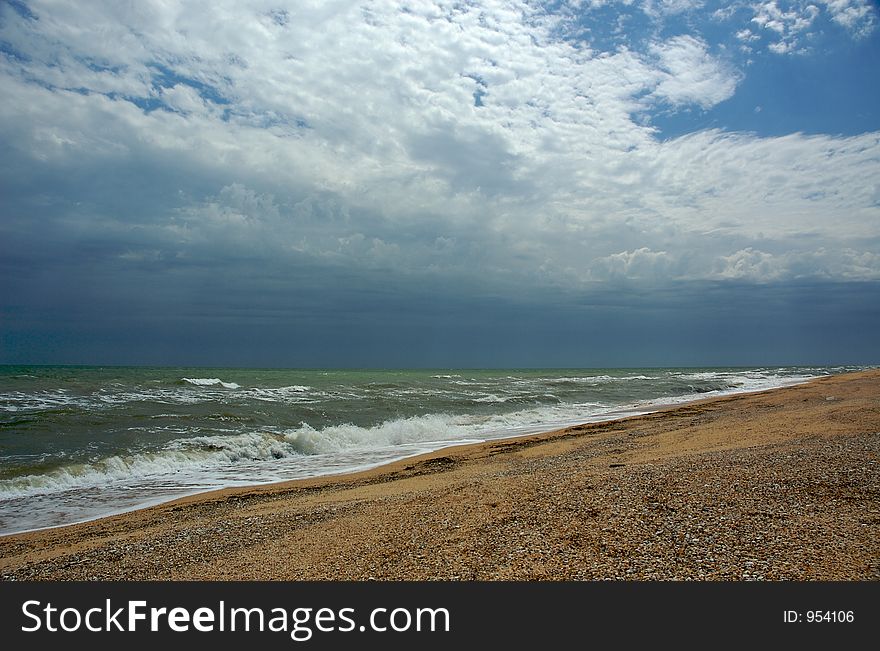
pixel 775 485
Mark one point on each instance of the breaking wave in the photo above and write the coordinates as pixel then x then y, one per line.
pixel 208 454
pixel 210 382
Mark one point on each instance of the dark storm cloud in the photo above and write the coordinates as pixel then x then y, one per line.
pixel 454 185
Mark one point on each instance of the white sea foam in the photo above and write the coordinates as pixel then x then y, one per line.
pixel 593 380
pixel 209 382
pixel 15 401
pixel 295 393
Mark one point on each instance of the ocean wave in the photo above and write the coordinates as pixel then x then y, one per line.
pixel 39 401
pixel 209 382
pixel 101 472
pixel 293 393
pixel 179 457
pixel 266 452
pixel 182 458
pixel 593 380
pixel 490 398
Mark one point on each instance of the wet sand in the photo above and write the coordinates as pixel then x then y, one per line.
pixel 775 485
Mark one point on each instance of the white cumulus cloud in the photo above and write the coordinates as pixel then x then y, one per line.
pixel 471 140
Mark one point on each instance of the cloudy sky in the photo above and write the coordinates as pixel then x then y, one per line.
pixel 440 182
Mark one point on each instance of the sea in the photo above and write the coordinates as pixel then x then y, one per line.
pixel 78 443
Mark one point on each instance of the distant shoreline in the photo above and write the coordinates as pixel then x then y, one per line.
pixel 571 504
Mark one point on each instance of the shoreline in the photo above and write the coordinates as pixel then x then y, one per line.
pixel 618 413
pixel 583 473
